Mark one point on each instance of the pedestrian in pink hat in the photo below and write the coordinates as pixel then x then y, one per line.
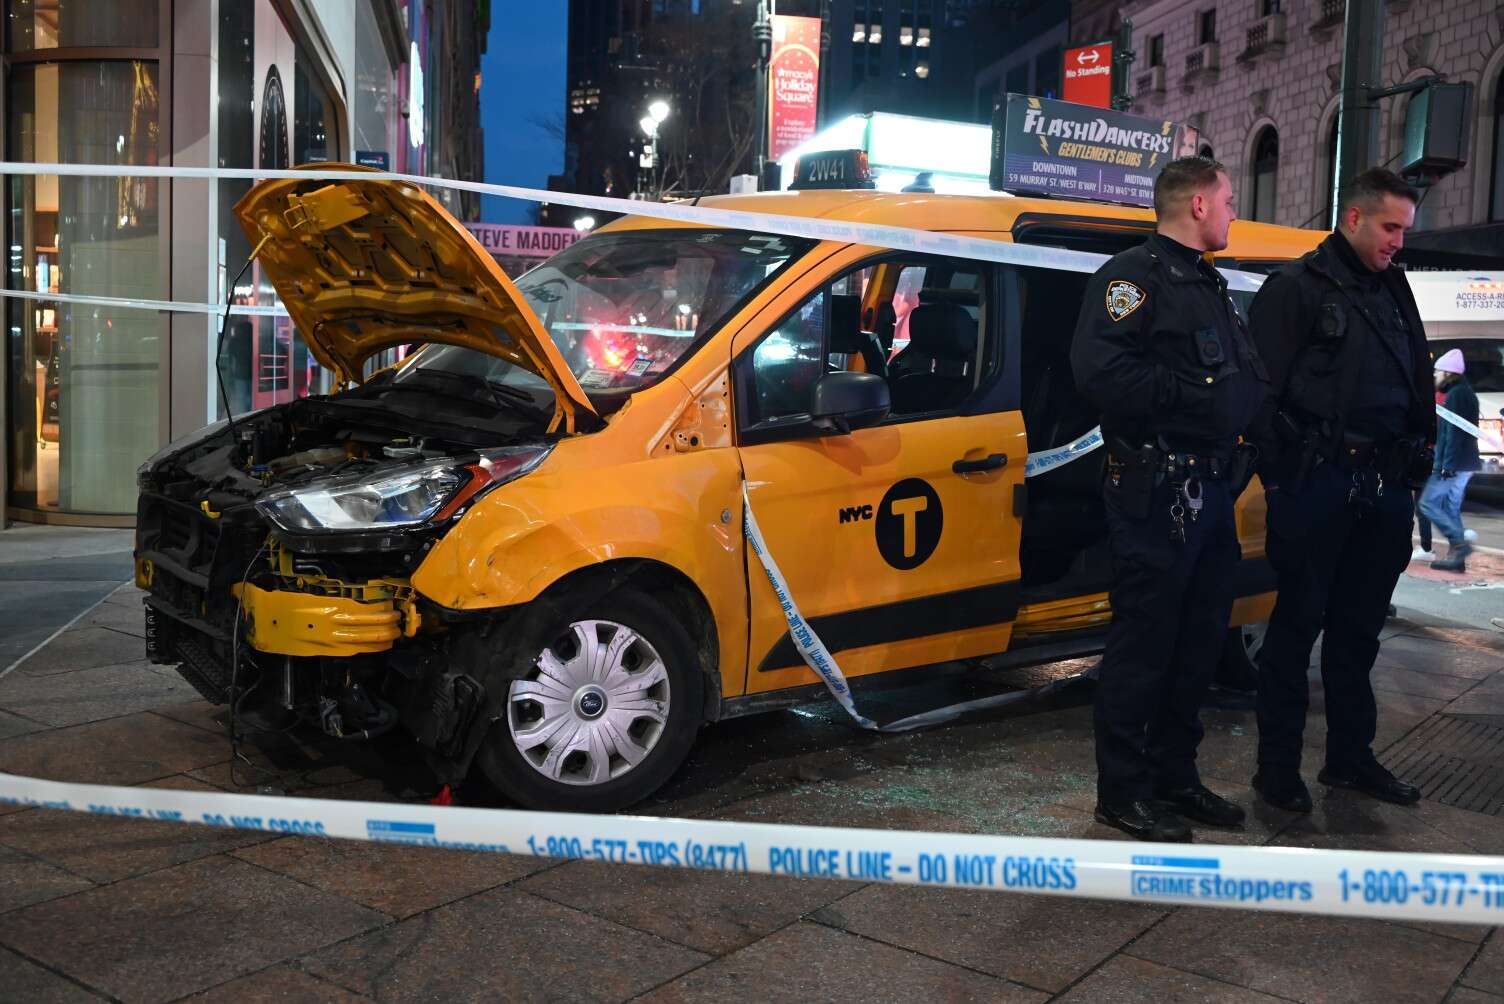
pixel 1456 460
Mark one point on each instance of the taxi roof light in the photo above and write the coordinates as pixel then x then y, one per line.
pixel 827 169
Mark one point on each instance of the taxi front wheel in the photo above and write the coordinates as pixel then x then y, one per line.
pixel 607 712
pixel 1238 669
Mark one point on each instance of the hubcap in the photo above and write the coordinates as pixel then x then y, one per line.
pixel 594 705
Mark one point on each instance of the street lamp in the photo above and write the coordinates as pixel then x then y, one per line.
pixel 657 112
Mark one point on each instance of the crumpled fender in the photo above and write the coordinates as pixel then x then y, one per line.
pixel 581 509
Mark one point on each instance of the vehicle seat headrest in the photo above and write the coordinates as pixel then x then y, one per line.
pixel 845 323
pixel 942 331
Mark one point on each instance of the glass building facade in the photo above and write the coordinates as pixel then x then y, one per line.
pixel 91 390
pixel 83 85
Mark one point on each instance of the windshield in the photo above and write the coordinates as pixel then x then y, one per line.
pixel 1484 358
pixel 623 308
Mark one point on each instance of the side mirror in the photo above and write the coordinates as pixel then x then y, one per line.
pixel 842 402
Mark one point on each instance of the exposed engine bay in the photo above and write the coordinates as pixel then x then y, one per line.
pixel 276 553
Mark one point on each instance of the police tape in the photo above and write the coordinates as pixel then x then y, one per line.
pixel 812 228
pixel 810 647
pixel 1454 888
pixel 1048 460
pixel 1482 437
pixel 136 303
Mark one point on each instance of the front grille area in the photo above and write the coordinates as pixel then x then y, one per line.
pixel 177 531
pixel 196 560
pixel 176 534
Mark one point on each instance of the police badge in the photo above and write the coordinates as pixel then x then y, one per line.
pixel 1123 298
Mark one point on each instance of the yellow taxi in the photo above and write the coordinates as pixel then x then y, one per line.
pixel 523 544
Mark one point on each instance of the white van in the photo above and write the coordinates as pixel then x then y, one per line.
pixel 1465 310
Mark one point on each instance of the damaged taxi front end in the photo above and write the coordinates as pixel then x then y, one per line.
pixel 276 549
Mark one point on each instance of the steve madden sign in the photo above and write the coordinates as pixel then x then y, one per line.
pixel 1060 148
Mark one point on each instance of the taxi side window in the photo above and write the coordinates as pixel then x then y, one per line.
pixel 924 338
pixel 935 354
pixel 786 363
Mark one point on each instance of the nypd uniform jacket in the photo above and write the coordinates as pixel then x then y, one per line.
pixel 1328 331
pixel 1347 352
pixel 1161 350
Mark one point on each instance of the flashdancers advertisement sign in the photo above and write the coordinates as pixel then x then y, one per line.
pixel 1059 148
pixel 793 82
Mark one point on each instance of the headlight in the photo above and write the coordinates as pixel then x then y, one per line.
pixel 403 498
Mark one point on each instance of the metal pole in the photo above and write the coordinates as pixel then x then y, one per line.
pixel 762 34
pixel 1362 69
pixel 822 97
pixel 1122 59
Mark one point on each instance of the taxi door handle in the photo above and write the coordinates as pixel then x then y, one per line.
pixel 991 463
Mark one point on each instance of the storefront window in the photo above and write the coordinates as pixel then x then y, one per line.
pixel 238 144
pixel 85 381
pixel 66 24
pixel 376 115
pixel 315 121
pixel 273 113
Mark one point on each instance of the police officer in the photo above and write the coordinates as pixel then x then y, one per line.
pixel 1162 352
pixel 1347 440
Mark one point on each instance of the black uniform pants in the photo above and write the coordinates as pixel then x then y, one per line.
pixel 1171 602
pixel 1337 570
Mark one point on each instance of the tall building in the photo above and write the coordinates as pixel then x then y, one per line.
pixel 1034 62
pixel 913 57
pixel 1094 20
pixel 91 391
pixel 696 55
pixel 1261 80
pixel 909 56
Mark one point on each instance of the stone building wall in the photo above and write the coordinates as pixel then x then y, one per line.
pixel 1294 87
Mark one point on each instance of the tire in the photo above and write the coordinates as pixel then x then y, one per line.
pixel 570 732
pixel 1238 669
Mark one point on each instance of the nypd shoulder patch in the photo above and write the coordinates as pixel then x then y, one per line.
pixel 1123 298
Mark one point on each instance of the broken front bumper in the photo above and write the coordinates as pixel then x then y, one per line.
pixel 281 622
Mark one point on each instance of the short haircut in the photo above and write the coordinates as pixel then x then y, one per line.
pixel 1369 188
pixel 1179 178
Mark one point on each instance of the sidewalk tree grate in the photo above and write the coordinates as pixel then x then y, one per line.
pixel 1457 760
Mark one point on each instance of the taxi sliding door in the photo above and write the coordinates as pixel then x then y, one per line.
pixel 898 541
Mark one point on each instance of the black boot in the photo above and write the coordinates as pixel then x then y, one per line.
pixel 1145 821
pixel 1201 804
pixel 1370 779
pixel 1282 789
pixel 1456 559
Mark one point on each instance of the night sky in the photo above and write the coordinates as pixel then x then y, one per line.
pixel 522 82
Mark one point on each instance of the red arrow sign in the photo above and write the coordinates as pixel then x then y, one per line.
pixel 1088 75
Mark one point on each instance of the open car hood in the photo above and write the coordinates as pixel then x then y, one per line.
pixel 364 265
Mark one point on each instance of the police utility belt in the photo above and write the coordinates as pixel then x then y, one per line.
pixel 1406 460
pixel 1158 459
pixel 1391 459
pixel 1134 472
